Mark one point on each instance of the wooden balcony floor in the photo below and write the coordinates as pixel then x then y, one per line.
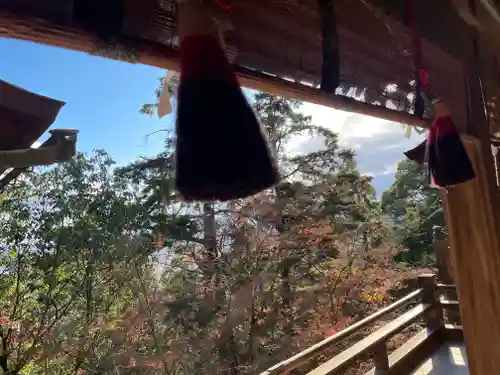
pixel 450 359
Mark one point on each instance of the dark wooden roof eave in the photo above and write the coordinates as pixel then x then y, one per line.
pixel 27 102
pixel 155 54
pixel 24 117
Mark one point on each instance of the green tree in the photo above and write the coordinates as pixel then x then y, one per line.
pixel 74 244
pixel 106 270
pixel 239 275
pixel 415 209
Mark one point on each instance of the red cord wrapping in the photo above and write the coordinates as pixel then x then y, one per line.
pixel 202 57
pixel 423 75
pixel 223 5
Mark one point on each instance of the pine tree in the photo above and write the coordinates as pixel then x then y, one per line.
pixel 248 264
pixel 415 209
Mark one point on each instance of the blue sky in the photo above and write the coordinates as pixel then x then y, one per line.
pixel 103 98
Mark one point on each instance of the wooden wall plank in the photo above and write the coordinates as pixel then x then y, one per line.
pixel 475 243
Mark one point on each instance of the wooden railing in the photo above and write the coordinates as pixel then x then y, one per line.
pixel 426 302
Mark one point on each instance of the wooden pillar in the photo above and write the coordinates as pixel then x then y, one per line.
pixel 473 218
pixel 473 225
pixel 446 274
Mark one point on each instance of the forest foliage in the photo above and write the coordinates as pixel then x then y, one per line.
pixel 105 270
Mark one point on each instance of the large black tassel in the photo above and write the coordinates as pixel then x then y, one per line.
pixel 222 152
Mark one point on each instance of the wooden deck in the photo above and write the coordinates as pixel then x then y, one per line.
pixel 449 359
pixel 436 349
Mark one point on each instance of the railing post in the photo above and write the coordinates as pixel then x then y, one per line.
pixel 434 316
pixel 381 359
pixel 446 273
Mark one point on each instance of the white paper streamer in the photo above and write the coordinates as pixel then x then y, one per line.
pixel 164 102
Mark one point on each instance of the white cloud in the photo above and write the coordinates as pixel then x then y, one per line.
pixel 387 171
pixel 350 125
pixel 379 144
pixel 352 128
pixel 394 146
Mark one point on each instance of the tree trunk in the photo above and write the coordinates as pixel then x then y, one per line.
pixel 228 350
pixel 210 242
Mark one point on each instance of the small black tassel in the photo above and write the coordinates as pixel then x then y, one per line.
pixel 419 102
pixel 417 154
pixel 449 162
pixel 443 151
pixel 330 69
pixel 103 17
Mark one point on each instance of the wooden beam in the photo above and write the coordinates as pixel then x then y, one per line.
pixel 491 9
pixel 486 22
pixel 155 54
pixel 464 12
pixel 277 86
